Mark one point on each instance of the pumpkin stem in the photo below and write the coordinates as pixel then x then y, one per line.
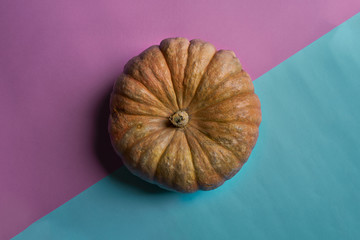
pixel 179 119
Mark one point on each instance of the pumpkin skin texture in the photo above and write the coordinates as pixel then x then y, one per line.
pixel 184 116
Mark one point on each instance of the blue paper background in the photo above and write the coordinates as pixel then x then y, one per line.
pixel 301 182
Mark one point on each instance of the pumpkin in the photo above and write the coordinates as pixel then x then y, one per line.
pixel 184 115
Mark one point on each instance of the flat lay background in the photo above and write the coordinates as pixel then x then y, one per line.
pixel 58 61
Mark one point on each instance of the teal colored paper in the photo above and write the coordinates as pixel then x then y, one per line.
pixel 302 180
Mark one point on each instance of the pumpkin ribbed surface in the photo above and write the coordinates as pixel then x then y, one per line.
pixel 184 116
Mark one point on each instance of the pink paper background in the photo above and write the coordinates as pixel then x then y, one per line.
pixel 59 59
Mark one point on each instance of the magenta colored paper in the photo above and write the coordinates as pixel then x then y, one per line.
pixel 59 59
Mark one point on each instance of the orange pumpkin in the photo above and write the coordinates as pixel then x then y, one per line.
pixel 184 116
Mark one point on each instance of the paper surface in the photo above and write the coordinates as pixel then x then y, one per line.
pixel 59 60
pixel 301 181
